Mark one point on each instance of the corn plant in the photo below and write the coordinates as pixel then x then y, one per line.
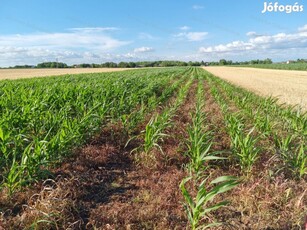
pixel 199 207
pixel 284 144
pixel 199 143
pixel 298 161
pixel 244 145
pixel 264 124
pixel 295 158
pixel 154 132
pixel 4 146
pixel 199 152
pixel 42 120
pixel 13 179
pixel 155 128
pixel 245 149
pixel 270 118
pixel 273 121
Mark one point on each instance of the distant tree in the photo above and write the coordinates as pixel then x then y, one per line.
pixel 109 65
pixel 123 65
pixel 268 61
pixel 182 63
pixel 96 65
pixel 113 65
pixel 52 65
pixel 23 67
pixel 222 62
pixel 132 65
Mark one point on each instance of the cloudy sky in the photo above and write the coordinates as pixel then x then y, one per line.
pixel 96 31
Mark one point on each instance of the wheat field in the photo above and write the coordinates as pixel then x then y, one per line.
pixel 29 73
pixel 288 86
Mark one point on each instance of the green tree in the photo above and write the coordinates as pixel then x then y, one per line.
pixel 222 62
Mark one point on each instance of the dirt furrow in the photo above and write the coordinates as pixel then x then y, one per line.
pixel 155 201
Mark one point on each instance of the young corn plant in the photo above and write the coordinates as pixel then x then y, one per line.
pixel 295 158
pixel 284 144
pixel 154 132
pixel 4 147
pixel 199 144
pixel 13 180
pixel 264 124
pixel 41 121
pixel 245 149
pixel 273 120
pixel 244 145
pixel 298 161
pixel 199 207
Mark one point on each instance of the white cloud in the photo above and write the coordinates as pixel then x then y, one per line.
pixel 94 29
pixel 192 36
pixel 143 49
pixel 197 7
pixel 263 43
pixel 10 56
pixel 303 28
pixel 184 28
pixel 251 34
pixel 196 36
pixel 146 36
pixel 76 43
pixel 86 39
pixel 230 47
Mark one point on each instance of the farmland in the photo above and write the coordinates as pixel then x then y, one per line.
pixel 161 148
pixel 29 73
pixel 281 66
pixel 290 87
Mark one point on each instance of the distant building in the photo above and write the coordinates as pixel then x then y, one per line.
pixel 290 61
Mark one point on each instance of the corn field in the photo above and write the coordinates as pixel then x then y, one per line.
pixel 161 148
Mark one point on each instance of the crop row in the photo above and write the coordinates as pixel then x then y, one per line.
pixel 41 120
pixel 285 126
pixel 199 189
pixel 154 132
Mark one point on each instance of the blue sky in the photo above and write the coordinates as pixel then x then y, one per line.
pixel 93 31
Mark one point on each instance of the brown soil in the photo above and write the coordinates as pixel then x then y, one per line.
pixel 216 122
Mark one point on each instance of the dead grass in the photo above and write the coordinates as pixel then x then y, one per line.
pixel 289 86
pixel 264 202
pixel 53 207
pixel 29 73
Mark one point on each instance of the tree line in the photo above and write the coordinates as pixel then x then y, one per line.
pixel 113 64
pixel 251 62
pixel 150 64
